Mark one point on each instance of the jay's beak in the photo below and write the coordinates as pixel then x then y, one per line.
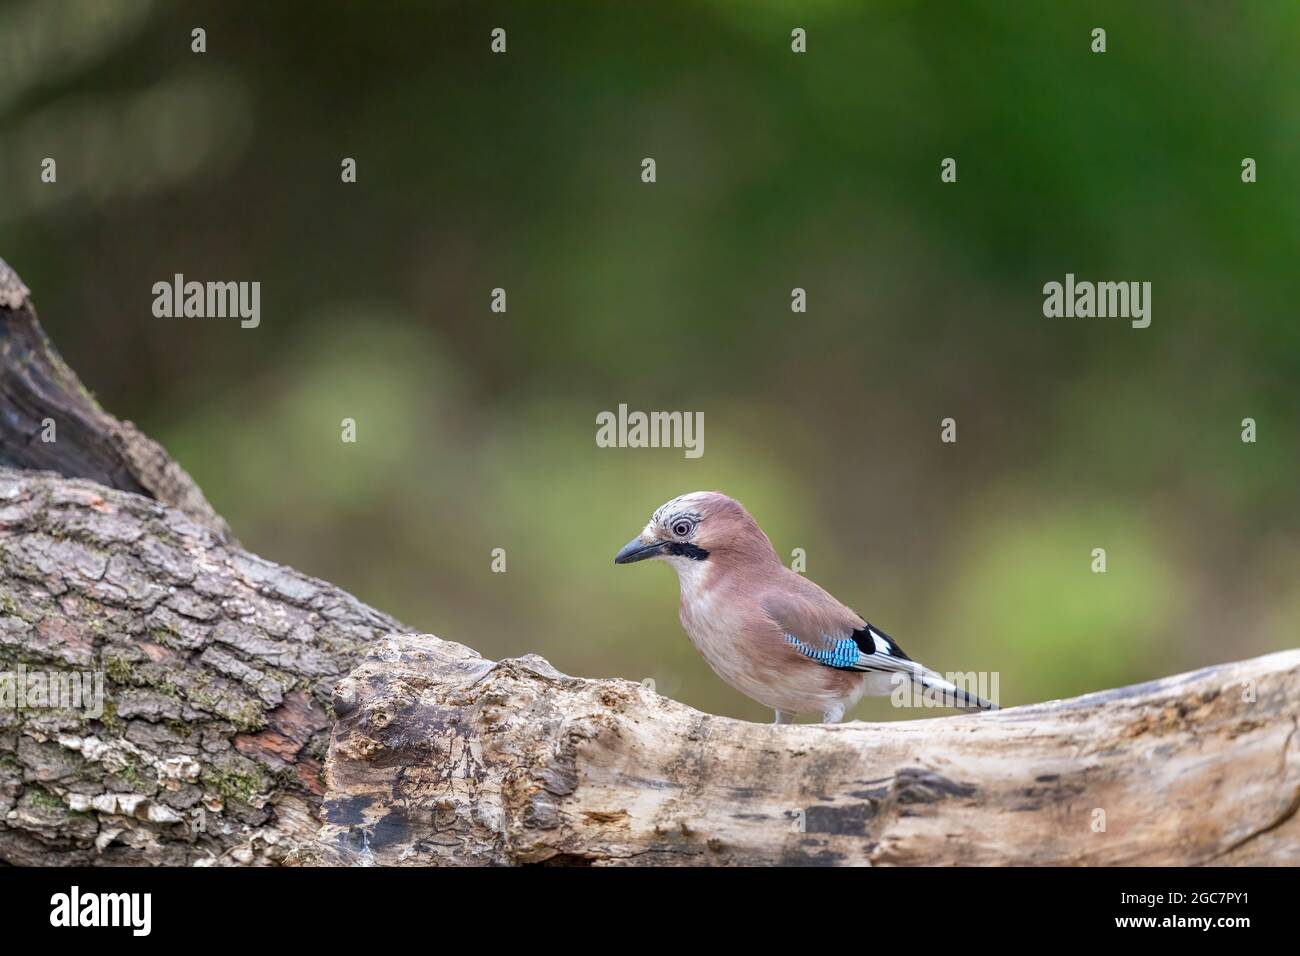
pixel 634 550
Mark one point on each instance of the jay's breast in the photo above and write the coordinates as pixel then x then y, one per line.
pixel 756 661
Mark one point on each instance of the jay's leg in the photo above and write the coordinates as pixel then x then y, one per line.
pixel 833 715
pixel 782 717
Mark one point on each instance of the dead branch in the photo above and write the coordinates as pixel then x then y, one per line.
pixel 226 677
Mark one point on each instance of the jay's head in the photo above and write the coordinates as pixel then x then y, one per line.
pixel 700 526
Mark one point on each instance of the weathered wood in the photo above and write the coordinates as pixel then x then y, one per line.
pixel 442 757
pixel 220 671
pixel 217 666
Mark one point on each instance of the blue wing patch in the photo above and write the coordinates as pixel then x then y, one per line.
pixel 842 654
pixel 868 649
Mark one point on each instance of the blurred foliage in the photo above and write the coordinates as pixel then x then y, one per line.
pixel 476 430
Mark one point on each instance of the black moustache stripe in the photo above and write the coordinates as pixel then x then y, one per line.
pixel 683 550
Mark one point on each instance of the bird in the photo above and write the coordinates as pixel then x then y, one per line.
pixel 766 630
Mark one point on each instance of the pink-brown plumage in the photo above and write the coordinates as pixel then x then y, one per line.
pixel 756 622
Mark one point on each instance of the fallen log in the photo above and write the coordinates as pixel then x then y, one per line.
pixel 214 666
pixel 228 681
pixel 442 757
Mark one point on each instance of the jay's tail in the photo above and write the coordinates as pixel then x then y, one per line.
pixel 955 696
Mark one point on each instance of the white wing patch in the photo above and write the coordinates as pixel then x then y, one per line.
pixel 887 656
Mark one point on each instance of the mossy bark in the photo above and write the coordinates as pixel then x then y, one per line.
pixel 216 666
pixel 228 681
pixel 217 669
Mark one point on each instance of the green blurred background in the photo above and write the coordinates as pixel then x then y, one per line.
pixel 775 170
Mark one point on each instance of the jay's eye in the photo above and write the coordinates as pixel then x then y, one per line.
pixel 682 529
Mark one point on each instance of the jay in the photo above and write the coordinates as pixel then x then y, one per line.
pixel 769 632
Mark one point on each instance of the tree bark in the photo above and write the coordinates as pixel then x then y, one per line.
pixel 228 680
pixel 217 669
pixel 216 665
pixel 442 757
